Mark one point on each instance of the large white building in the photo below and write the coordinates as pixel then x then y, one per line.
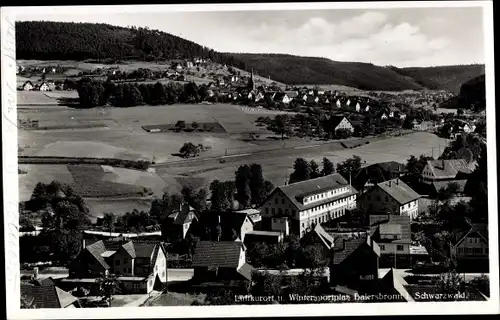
pixel 297 207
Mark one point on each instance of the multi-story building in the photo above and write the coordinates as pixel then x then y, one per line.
pixel 394 197
pixel 438 174
pixel 393 235
pixel 295 208
pixel 471 248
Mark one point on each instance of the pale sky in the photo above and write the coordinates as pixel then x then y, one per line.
pixel 399 36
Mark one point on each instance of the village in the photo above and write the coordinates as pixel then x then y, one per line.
pixel 187 182
pixel 380 229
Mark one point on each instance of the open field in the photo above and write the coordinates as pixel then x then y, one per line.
pixel 209 127
pixel 45 173
pixel 90 181
pixel 127 139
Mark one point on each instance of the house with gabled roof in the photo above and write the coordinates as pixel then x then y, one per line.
pixel 220 261
pixel 393 196
pixel 281 97
pixel 140 266
pixel 28 86
pixel 296 207
pixel 377 173
pixel 393 235
pixel 47 297
pixel 471 247
pixel 310 99
pixel 355 262
pixel 394 287
pixel 439 174
pixel 340 122
pixel 179 222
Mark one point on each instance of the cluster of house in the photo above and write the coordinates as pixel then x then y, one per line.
pixel 48 85
pixel 308 209
pixel 428 98
pixel 42 70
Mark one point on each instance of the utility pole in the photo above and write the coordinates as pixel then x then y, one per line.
pixel 432 152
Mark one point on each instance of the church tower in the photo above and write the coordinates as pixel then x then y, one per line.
pixel 251 83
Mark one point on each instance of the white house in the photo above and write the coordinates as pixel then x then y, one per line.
pixel 472 245
pixel 338 103
pixel 44 87
pixel 367 108
pixel 348 103
pixel 295 208
pixel 383 116
pixel 28 86
pixel 392 234
pixel 358 107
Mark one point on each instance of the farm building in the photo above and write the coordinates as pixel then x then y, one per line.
pixel 43 87
pixel 393 235
pixel 471 247
pixel 441 173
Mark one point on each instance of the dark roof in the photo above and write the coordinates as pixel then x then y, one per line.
pixel 438 185
pixel 310 98
pixel 279 96
pixel 296 191
pixel 47 282
pixel 448 168
pixel 144 249
pixel 136 249
pixel 217 254
pixel 47 296
pixel 233 220
pixel 398 190
pixel 246 271
pixel 343 248
pixel 292 94
pixel 378 220
pixel 393 280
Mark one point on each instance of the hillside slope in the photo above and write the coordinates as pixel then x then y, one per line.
pixel 472 95
pixel 448 78
pixel 298 70
pixel 43 40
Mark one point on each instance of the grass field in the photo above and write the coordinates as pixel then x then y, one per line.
pixel 208 127
pixel 45 173
pixel 90 181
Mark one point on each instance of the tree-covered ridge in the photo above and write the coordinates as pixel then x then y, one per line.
pixel 310 70
pixel 46 40
pixel 43 40
pixel 448 78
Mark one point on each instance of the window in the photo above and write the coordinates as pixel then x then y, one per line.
pixel 129 270
pixel 477 250
pixel 135 286
pixel 286 211
pixel 163 273
pixel 267 210
pixel 117 262
pixel 382 247
pixel 275 200
pixel 399 247
pixel 294 212
pixel 156 268
pixel 280 211
pixel 273 210
pixel 386 199
pixel 378 198
pixel 303 226
pixel 125 260
pixel 124 270
pixel 283 201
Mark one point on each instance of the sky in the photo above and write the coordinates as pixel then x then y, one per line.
pixel 403 37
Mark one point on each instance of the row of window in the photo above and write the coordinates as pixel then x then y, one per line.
pixel 399 247
pixel 326 194
pixel 325 217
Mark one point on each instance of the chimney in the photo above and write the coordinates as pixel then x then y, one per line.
pixel 390 183
pixel 397 181
pixel 83 244
pixel 35 272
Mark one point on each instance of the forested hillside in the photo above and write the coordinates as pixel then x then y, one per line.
pixel 448 78
pixel 472 95
pixel 81 41
pixel 45 40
